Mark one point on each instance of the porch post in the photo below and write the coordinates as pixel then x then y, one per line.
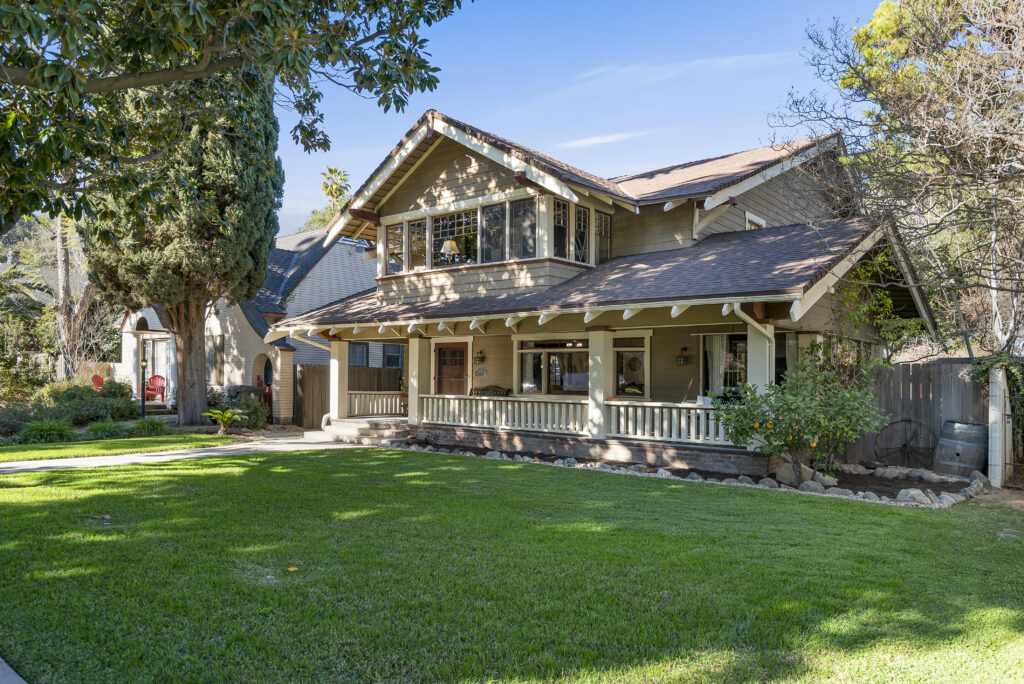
pixel 419 375
pixel 339 379
pixel 601 382
pixel 760 356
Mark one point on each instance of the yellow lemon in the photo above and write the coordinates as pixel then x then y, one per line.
pixel 757 425
pixel 814 444
pixel 293 569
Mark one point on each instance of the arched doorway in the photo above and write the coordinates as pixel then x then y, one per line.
pixel 263 379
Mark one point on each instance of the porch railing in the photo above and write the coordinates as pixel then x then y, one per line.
pixel 376 404
pixel 666 422
pixel 565 416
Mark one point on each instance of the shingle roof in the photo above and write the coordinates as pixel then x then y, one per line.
pixel 782 260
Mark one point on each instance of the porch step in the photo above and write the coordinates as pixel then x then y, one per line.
pixel 368 432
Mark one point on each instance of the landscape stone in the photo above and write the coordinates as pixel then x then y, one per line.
pixel 838 491
pixel 855 469
pixel 637 468
pixel 826 480
pixel 957 498
pixel 785 474
pixel 695 477
pixel 745 480
pixel 768 482
pixel 492 454
pixel 976 487
pixel 811 486
pixel 867 496
pixel 712 480
pixel 885 499
pixel 946 500
pixel 978 476
pixel 913 495
pixel 570 462
pixel 665 473
pixel 730 481
pixel 871 465
pixel 931 496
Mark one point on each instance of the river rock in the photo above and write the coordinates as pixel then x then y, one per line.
pixel 785 474
pixel 838 491
pixel 811 486
pixel 932 496
pixel 913 495
pixel 768 482
pixel 978 476
pixel 867 496
pixel 695 477
pixel 666 474
pixel 730 481
pixel 745 480
pixel 825 480
pixel 946 499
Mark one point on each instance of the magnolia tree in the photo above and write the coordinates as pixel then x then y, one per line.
pixel 811 417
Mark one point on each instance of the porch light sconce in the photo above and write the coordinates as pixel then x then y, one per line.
pixel 449 247
pixel 682 359
pixel 478 358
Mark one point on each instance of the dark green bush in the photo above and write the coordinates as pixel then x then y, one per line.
pixel 146 427
pixel 216 398
pixel 80 412
pixel 104 429
pixel 45 431
pixel 122 408
pixel 63 393
pixel 114 389
pixel 14 416
pixel 256 413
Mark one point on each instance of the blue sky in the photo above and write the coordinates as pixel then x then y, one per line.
pixel 607 90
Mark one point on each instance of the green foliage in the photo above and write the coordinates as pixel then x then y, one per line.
pixel 46 431
pixel 224 417
pixel 14 416
pixel 318 219
pixel 105 429
pixel 20 375
pixel 122 408
pixel 81 105
pixel 115 389
pixel 62 393
pixel 80 403
pixel 255 411
pixel 335 185
pixel 217 398
pixel 814 413
pixel 147 427
pixel 1014 366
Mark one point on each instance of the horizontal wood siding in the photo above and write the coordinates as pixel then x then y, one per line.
pixel 475 282
pixel 450 173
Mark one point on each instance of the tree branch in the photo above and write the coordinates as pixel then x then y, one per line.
pixel 21 76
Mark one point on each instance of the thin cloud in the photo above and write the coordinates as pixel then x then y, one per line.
pixel 654 73
pixel 595 140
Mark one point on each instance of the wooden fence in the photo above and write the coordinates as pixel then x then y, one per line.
pixel 930 392
pixel 311 389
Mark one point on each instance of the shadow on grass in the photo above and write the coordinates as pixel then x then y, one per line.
pixel 370 565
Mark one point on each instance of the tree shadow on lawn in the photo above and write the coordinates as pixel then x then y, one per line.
pixel 431 567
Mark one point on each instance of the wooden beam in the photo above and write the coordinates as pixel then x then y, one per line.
pixel 547 317
pixel 382 329
pixel 513 322
pixel 629 313
pixel 364 215
pixel 591 315
pixel 710 216
pixel 521 178
pixel 678 309
pixel 477 324
pixel 627 206
pixel 669 206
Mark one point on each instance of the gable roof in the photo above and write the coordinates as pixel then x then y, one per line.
pixel 782 262
pixel 683 181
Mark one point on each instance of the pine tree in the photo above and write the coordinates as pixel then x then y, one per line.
pixel 227 186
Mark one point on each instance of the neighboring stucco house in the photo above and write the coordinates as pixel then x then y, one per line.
pixel 303 273
pixel 547 309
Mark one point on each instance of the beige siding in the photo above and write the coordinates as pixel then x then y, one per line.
pixel 450 173
pixel 497 363
pixel 477 281
pixel 670 381
pixel 652 230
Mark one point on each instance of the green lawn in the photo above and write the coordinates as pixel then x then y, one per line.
pixel 112 447
pixel 412 566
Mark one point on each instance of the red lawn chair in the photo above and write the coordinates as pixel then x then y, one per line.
pixel 155 387
pixel 97 382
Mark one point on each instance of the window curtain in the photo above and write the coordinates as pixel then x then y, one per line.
pixel 714 349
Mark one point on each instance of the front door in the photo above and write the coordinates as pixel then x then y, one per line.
pixel 450 363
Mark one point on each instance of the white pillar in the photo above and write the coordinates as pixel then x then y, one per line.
pixel 760 357
pixel 419 375
pixel 601 382
pixel 339 379
pixel 997 419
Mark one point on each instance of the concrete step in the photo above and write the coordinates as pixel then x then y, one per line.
pixel 328 436
pixel 353 431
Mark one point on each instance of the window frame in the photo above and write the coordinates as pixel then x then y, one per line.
pixel 365 346
pixel 749 218
pixel 645 347
pixel 389 350
pixel 595 246
pixel 518 351
pixel 589 231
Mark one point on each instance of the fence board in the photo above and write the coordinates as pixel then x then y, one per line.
pixel 929 392
pixel 311 389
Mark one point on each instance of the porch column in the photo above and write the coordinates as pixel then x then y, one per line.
pixel 601 382
pixel 339 379
pixel 282 387
pixel 419 375
pixel 760 356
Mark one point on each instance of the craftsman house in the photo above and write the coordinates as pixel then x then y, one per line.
pixel 303 272
pixel 546 309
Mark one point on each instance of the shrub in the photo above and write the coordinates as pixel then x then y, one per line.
pixel 63 393
pixel 122 408
pixel 255 413
pixel 146 427
pixel 116 390
pixel 80 412
pixel 216 398
pixel 104 429
pixel 13 417
pixel 224 418
pixel 44 431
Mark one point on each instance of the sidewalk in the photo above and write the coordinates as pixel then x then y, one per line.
pixel 270 444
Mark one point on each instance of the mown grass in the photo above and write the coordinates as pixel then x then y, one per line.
pixel 112 447
pixel 417 567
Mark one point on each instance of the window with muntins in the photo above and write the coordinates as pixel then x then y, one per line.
pixel 524 229
pixel 492 233
pixel 358 354
pixel 603 236
pixel 454 239
pixel 394 245
pixel 581 236
pixel 392 356
pixel 561 229
pixel 417 244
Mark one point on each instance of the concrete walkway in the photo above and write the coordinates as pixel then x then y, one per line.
pixel 270 444
pixel 9 676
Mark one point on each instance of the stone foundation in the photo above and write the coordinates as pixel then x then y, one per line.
pixel 693 457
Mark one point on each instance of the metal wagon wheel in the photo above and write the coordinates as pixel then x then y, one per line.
pixel 906 442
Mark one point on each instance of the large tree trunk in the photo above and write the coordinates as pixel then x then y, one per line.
pixel 188 323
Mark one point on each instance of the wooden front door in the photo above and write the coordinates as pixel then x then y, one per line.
pixel 450 362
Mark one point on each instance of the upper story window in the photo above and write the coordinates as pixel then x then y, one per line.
pixel 455 238
pixel 603 236
pixel 418 244
pixel 560 224
pixel 492 233
pixel 754 222
pixel 523 229
pixel 581 236
pixel 395 257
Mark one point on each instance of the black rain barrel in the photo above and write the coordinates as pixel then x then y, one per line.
pixel 963 447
